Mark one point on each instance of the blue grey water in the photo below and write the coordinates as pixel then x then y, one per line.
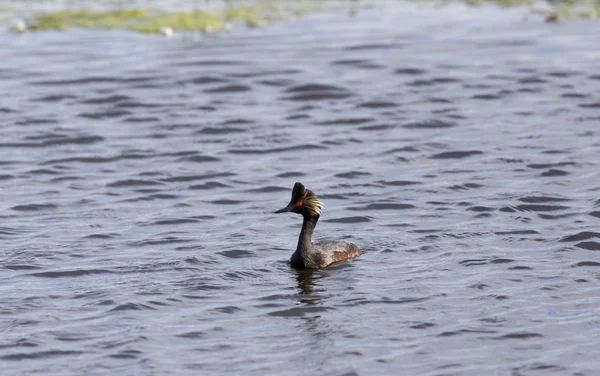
pixel 457 146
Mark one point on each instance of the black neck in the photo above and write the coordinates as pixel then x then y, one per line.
pixel 308 226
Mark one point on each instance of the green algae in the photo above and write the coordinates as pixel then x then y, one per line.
pixel 573 10
pixel 262 12
pixel 554 11
pixel 87 19
pixel 143 20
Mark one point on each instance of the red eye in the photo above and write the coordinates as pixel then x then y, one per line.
pixel 299 203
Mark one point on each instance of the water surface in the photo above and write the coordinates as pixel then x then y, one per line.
pixel 457 147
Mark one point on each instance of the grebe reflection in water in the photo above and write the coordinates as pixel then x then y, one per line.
pixel 308 254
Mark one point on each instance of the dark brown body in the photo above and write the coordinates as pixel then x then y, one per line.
pixel 319 258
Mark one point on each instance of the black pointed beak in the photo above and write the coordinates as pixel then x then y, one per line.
pixel 284 210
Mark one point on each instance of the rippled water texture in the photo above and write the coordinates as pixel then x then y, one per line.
pixel 459 148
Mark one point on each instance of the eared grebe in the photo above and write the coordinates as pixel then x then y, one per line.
pixel 314 255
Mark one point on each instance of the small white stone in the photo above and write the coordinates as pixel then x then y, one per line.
pixel 18 26
pixel 166 31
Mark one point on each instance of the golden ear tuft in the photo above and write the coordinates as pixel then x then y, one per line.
pixel 312 203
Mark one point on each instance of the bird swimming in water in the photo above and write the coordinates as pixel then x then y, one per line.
pixel 314 255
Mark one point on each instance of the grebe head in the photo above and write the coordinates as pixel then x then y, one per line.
pixel 304 202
